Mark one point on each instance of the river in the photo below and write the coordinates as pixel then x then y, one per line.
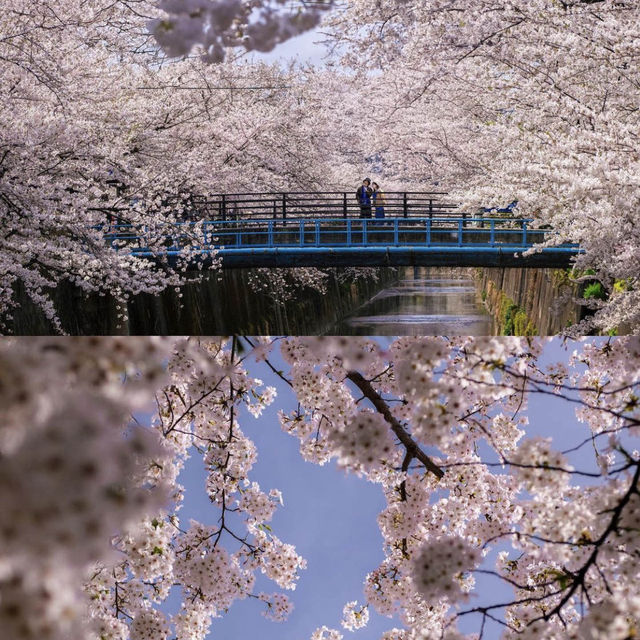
pixel 423 301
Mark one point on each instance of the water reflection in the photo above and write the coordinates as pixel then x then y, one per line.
pixel 424 301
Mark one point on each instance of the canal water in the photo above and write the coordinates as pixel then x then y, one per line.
pixel 423 301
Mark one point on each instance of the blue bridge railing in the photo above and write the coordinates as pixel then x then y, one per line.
pixel 458 237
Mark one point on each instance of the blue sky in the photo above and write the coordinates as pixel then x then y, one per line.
pixel 304 48
pixel 331 519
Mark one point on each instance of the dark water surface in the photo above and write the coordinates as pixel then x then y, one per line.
pixel 424 301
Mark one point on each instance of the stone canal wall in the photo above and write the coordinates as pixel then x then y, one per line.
pixel 521 302
pixel 222 304
pixel 529 301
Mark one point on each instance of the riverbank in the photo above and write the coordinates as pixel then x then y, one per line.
pixel 224 303
pixel 407 301
pixel 529 301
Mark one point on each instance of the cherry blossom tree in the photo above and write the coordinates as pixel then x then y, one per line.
pixel 75 472
pixel 473 493
pixel 113 107
pixel 98 124
pixel 527 101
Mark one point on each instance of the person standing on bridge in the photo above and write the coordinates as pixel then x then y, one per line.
pixel 363 196
pixel 377 197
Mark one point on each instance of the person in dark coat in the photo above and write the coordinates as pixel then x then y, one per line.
pixel 363 196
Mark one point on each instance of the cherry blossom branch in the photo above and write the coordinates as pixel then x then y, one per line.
pixel 567 398
pixel 381 406
pixel 522 465
pixel 580 577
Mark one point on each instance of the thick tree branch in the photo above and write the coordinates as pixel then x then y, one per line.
pixel 381 406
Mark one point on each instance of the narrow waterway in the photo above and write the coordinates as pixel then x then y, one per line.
pixel 423 301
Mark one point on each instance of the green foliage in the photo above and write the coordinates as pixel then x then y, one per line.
pixel 594 290
pixel 513 319
pixel 563 578
pixel 621 285
pixel 560 277
pixel 508 326
pixel 522 325
pixel 574 274
pixel 578 273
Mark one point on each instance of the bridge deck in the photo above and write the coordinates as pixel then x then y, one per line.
pixel 428 241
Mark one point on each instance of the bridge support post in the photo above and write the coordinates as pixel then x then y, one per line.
pixel 524 233
pixel 460 224
pixel 284 206
pixel 301 232
pixel 344 205
pixel 405 208
pixel 492 233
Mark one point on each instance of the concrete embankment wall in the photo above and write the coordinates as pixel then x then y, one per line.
pixel 222 304
pixel 529 301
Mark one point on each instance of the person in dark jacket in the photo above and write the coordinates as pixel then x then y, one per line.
pixel 363 196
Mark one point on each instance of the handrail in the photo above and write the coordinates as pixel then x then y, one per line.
pixel 382 221
pixel 285 204
pixel 323 242
pixel 330 232
pixel 319 193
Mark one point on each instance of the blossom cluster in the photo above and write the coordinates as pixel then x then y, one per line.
pixel 325 633
pixel 354 616
pixel 73 472
pixel 535 66
pixel 108 139
pixel 469 470
pixel 437 564
pixel 366 441
pixel 279 607
pixel 93 544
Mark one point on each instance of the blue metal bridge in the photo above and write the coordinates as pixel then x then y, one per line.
pixel 436 240
pixel 334 229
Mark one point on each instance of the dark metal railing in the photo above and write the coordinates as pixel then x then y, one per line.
pixel 284 205
pixel 330 204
